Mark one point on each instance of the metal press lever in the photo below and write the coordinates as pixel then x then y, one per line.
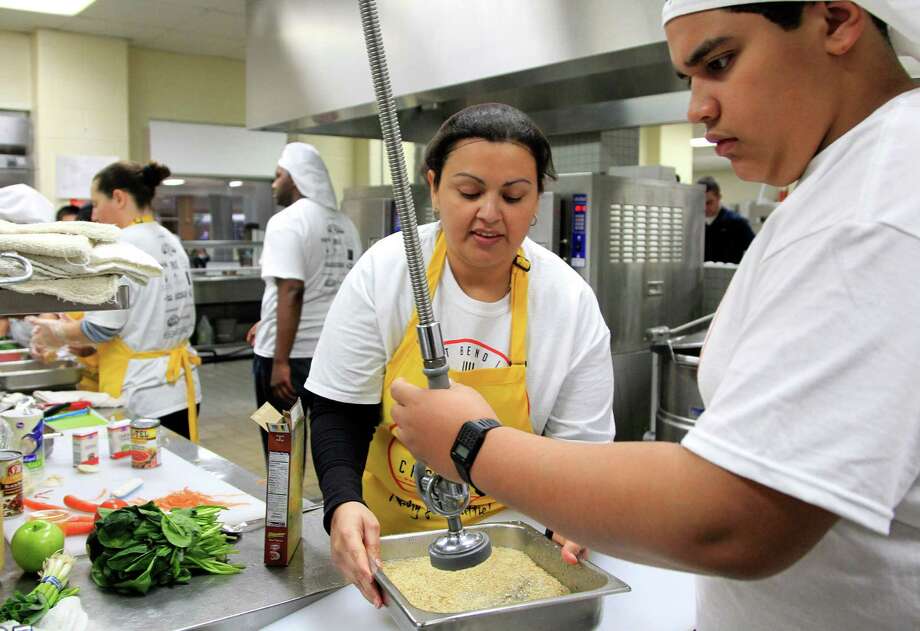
pixel 458 549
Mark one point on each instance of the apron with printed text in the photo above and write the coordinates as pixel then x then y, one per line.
pixel 115 355
pixel 389 482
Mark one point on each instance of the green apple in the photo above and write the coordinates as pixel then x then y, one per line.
pixel 35 541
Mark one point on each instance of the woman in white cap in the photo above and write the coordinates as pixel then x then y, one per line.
pixel 802 473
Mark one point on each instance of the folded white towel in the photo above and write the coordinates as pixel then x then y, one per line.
pixel 124 256
pixel 107 258
pixel 95 231
pixel 104 259
pixel 91 290
pixel 73 247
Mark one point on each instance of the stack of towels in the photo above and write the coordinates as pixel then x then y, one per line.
pixel 77 261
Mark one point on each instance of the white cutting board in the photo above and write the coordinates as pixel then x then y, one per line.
pixel 172 475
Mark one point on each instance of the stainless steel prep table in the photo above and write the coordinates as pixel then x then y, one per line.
pixel 250 600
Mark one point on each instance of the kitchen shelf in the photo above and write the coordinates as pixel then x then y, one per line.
pixel 13 303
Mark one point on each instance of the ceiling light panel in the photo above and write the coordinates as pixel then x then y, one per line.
pixel 56 7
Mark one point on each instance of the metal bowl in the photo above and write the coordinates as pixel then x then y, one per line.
pixel 581 609
pixel 29 374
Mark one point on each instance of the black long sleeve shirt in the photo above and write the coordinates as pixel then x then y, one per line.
pixel 340 436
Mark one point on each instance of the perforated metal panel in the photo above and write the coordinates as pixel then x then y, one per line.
pixel 644 261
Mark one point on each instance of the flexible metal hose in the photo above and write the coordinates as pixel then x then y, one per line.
pixel 392 138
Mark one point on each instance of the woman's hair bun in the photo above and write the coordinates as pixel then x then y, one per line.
pixel 154 173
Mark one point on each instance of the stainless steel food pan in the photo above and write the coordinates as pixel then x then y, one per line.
pixel 579 610
pixel 28 375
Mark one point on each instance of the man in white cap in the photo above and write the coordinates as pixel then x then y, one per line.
pixel 308 248
pixel 802 474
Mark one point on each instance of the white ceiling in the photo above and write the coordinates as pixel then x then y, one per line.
pixel 203 27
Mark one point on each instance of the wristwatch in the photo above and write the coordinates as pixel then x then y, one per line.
pixel 467 445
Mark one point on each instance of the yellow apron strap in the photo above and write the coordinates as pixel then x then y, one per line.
pixel 115 355
pixel 519 282
pixel 519 285
pixel 180 359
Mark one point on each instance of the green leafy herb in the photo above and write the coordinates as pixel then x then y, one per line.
pixel 139 547
pixel 30 608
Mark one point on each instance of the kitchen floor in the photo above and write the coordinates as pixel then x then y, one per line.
pixel 228 398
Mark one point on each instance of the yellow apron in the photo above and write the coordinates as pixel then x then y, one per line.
pixel 115 355
pixel 389 485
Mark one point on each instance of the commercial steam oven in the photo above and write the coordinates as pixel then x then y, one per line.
pixel 373 210
pixel 639 243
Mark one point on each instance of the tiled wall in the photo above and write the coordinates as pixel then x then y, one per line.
pixel 183 88
pixel 595 152
pixel 339 156
pixel 15 71
pixel 81 100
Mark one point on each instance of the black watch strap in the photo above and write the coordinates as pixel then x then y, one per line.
pixel 467 445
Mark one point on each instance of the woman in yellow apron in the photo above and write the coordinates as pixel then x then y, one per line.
pixel 520 327
pixel 144 355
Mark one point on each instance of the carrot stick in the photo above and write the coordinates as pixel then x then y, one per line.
pixel 80 518
pixel 71 528
pixel 34 505
pixel 81 505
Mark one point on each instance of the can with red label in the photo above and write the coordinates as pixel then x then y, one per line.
pixel 11 482
pixel 145 443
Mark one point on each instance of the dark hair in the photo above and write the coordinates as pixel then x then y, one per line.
pixel 139 180
pixel 70 209
pixel 788 15
pixel 711 185
pixel 495 122
pixel 86 212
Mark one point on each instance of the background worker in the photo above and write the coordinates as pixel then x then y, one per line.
pixel 68 213
pixel 796 496
pixel 144 352
pixel 308 248
pixel 728 234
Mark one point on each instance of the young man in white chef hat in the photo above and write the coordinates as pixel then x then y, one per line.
pixel 797 494
pixel 308 248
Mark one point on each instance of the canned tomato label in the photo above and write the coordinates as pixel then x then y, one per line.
pixel 11 482
pixel 85 447
pixel 119 437
pixel 145 443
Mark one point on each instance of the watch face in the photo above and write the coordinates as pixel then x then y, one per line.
pixel 462 451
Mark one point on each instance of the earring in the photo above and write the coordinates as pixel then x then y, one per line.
pixel 533 221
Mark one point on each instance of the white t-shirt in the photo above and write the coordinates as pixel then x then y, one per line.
pixel 569 369
pixel 811 379
pixel 161 316
pixel 312 244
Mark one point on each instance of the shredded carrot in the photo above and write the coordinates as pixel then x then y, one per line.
pixel 187 498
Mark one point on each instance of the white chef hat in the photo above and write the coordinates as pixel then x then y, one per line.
pixel 20 203
pixel 902 17
pixel 309 173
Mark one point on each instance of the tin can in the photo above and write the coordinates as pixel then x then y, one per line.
pixel 119 433
pixel 145 443
pixel 85 447
pixel 11 482
pixel 28 428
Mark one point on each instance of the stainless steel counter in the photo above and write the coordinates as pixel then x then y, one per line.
pixel 250 600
